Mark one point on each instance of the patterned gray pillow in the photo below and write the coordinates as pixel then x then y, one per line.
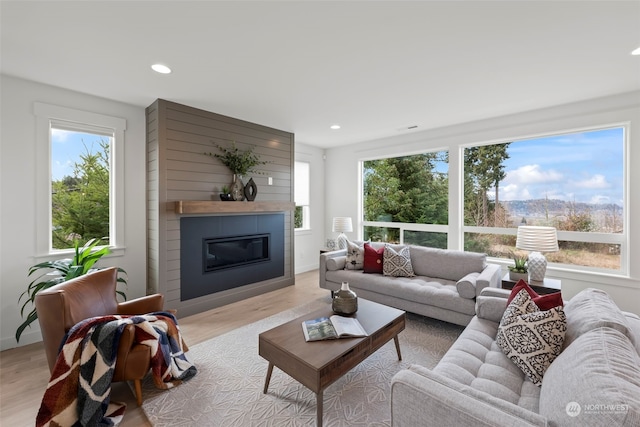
pixel 355 256
pixel 398 263
pixel 531 338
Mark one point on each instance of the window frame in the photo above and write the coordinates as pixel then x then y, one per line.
pixel 456 228
pixel 621 239
pixel 46 115
pixel 306 208
pixel 403 226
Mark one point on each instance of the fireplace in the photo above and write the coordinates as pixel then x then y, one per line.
pixel 218 253
pixel 235 251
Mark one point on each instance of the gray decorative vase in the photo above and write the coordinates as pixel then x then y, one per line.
pixel 237 188
pixel 345 301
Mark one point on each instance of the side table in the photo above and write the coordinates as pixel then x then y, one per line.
pixel 547 286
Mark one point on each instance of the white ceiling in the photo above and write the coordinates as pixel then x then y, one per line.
pixel 375 68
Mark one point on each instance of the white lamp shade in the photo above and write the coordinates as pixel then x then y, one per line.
pixel 537 239
pixel 342 224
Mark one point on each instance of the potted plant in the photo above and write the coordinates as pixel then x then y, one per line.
pixel 239 163
pixel 225 194
pixel 519 270
pixel 82 263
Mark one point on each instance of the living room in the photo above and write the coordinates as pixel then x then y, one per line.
pixel 609 94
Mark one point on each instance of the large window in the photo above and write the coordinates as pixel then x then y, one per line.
pixel 572 181
pixel 405 199
pixel 80 178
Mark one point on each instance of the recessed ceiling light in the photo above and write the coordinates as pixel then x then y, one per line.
pixel 162 69
pixel 636 52
pixel 335 127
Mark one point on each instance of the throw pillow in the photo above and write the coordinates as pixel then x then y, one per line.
pixel 355 257
pixel 397 264
pixel 544 302
pixel 466 286
pixel 373 259
pixel 531 338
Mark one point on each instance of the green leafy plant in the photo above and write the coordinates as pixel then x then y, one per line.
pixel 225 189
pixel 239 162
pixel 59 271
pixel 520 264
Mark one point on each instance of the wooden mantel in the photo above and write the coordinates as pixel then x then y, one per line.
pixel 215 207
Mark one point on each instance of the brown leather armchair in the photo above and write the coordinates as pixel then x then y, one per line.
pixel 62 306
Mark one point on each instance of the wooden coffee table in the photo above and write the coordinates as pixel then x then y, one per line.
pixel 317 364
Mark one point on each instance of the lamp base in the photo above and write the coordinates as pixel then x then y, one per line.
pixel 537 265
pixel 342 241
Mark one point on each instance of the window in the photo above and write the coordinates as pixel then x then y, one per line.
pixel 301 189
pixel 571 181
pixel 405 199
pixel 80 178
pixel 80 184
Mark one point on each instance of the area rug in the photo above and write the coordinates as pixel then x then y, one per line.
pixel 227 390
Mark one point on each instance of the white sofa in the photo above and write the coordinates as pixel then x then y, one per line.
pixel 444 287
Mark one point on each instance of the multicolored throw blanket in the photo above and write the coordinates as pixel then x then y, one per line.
pixel 78 393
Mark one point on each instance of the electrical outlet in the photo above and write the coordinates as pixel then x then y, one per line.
pixel 270 180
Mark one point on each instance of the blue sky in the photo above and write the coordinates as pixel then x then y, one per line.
pixel 581 167
pixel 66 147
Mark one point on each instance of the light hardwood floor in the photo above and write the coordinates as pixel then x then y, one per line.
pixel 24 373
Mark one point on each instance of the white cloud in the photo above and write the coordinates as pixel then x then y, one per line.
pixel 532 174
pixel 60 135
pixel 596 181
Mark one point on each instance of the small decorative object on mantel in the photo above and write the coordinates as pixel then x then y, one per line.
pixel 345 301
pixel 240 163
pixel 250 190
pixel 237 188
pixel 225 194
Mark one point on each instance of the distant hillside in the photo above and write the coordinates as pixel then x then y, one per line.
pixel 553 208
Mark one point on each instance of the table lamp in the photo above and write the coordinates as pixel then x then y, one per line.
pixel 537 239
pixel 342 224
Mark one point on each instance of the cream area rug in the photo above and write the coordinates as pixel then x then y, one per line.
pixel 227 390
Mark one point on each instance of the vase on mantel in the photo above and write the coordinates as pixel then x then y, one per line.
pixel 237 188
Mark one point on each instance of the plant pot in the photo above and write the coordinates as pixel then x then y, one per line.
pixel 226 197
pixel 515 276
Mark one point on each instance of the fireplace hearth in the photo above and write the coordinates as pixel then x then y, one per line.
pixel 218 253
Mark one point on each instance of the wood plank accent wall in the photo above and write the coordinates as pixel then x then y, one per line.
pixel 177 170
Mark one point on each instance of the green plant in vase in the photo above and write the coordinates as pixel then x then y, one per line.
pixel 519 270
pixel 239 163
pixel 59 271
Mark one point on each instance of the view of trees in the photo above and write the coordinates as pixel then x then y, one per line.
pixel 80 203
pixel 406 189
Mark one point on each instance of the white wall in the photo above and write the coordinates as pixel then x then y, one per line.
pixel 18 148
pixel 342 176
pixel 309 242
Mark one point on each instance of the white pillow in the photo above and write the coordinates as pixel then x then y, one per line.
pixel 355 256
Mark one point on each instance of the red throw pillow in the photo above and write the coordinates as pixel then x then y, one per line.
pixel 372 259
pixel 544 302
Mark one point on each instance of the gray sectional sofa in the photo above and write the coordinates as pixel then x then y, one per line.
pixel 594 381
pixel 445 285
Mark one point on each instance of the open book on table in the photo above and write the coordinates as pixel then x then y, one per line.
pixel 326 328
